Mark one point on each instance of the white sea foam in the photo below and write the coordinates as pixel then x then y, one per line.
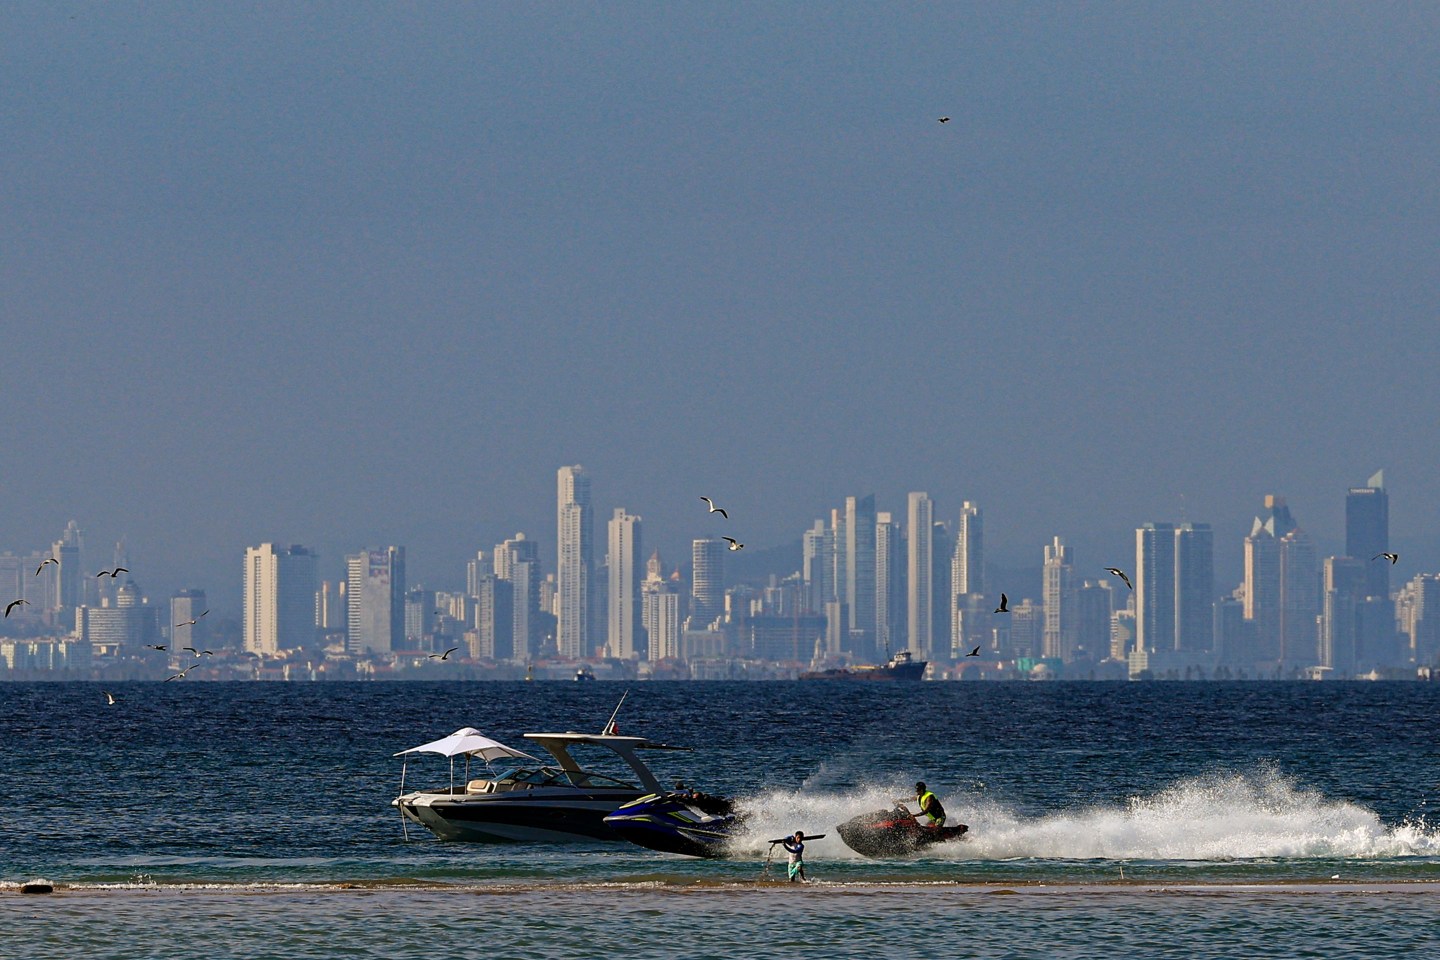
pixel 1216 817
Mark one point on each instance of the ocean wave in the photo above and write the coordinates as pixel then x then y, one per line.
pixel 1216 817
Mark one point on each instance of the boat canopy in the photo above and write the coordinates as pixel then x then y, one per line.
pixel 467 741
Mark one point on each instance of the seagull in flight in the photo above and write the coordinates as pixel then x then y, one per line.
pixel 1392 557
pixel 189 622
pixel 1117 572
pixel 943 120
pixel 974 653
pixel 1003 608
pixel 155 646
pixel 442 656
pixel 181 674
pixel 44 562
pixel 715 509
pixel 112 574
pixel 15 603
pixel 734 544
pixel 109 698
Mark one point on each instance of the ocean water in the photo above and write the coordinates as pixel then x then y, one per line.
pixel 1162 819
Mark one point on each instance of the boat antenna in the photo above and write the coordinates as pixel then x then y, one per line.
pixel 605 731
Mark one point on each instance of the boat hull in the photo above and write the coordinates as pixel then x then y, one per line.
pixel 517 819
pixel 894 833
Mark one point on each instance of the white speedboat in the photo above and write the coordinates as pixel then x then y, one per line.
pixel 530 801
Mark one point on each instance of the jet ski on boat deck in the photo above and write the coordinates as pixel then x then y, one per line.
pixel 684 821
pixel 894 833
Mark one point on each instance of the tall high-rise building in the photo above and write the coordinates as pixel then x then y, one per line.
pixel 1282 589
pixel 1367 532
pixel 475 570
pixel 494 633
pixel 1093 608
pixel 376 595
pixel 660 612
pixel 1343 590
pixel 890 600
pixel 1417 605
pixel 919 567
pixel 279 598
pixel 623 638
pixel 969 567
pixel 517 561
pixel 1194 587
pixel 816 567
pixel 331 611
pixel 188 625
pixel 69 575
pixel 1057 638
pixel 573 561
pixel 1155 587
pixel 967 571
pixel 707 582
pixel 860 574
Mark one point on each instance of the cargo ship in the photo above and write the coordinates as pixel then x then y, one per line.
pixel 902 666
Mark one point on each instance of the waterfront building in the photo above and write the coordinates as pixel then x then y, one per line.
pixel 573 569
pixel 279 609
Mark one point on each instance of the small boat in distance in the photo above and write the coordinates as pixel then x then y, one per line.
pixel 902 666
pixel 583 673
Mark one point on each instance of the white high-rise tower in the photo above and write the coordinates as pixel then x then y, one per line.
pixel 572 564
pixel 920 562
pixel 623 584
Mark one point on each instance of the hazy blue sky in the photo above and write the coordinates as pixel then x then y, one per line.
pixel 347 274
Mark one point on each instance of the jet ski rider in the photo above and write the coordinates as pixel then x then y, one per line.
pixel 930 806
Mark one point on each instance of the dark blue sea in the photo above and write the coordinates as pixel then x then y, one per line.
pixel 1145 819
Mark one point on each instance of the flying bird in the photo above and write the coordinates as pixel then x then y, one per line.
pixel 1004 605
pixel 1116 571
pixel 734 544
pixel 45 561
pixel 943 120
pixel 191 650
pixel 109 698
pixel 1392 557
pixel 181 674
pixel 185 623
pixel 155 646
pixel 715 509
pixel 15 603
pixel 442 656
pixel 112 574
pixel 974 653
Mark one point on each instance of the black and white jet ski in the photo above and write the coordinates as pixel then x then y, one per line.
pixel 894 833
pixel 686 822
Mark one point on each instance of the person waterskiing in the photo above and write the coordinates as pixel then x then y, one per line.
pixel 930 806
pixel 795 847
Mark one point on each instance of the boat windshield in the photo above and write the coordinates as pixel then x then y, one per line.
pixel 554 777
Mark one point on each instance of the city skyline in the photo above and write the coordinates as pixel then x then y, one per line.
pixel 1154 267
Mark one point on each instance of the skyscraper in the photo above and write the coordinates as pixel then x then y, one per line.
pixel 707 582
pixel 494 619
pixel 185 606
pixel 1058 575
pixel 816 566
pixel 376 596
pixel 1194 587
pixel 890 601
pixel 1343 590
pixel 1155 587
pixel 279 598
pixel 660 612
pixel 517 561
pixel 572 564
pixel 625 568
pixel 1367 532
pixel 69 575
pixel 860 574
pixel 1282 590
pixel 919 566
pixel 967 571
